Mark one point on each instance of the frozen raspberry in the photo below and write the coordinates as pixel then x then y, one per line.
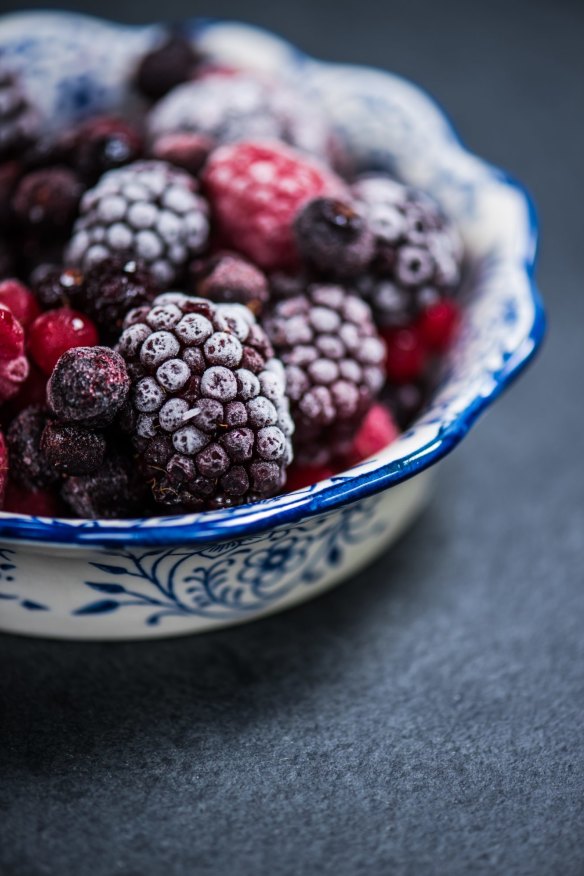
pixel 88 387
pixel 257 190
pixel 406 355
pixel 100 144
pixel 46 200
pixel 55 285
pixel 227 278
pixel 376 433
pixel 72 450
pixel 437 325
pixel 110 492
pixel 3 469
pixel 334 237
pixel 29 466
pixel 242 107
pixel 148 210
pixel 334 366
pixel 20 300
pixel 211 416
pixel 19 121
pixel 38 503
pixel 168 64
pixel 56 331
pixel 300 476
pixel 112 288
pixel 14 367
pixel 186 150
pixel 418 251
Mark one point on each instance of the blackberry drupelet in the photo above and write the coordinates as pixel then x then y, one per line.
pixel 333 358
pixel 211 419
pixel 418 251
pixel 149 210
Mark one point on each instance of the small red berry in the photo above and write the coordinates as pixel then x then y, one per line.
pixel 11 335
pixel 438 325
pixel 39 503
pixel 406 355
pixel 256 191
pixel 378 430
pixel 300 476
pixel 56 331
pixel 20 300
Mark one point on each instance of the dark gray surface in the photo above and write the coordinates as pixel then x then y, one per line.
pixel 425 718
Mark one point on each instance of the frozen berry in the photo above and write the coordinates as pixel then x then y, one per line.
pixel 32 391
pixel 29 465
pixel 437 325
pixel 418 250
pixel 406 355
pixel 38 503
pixel 56 331
pixel 88 386
pixel 100 144
pixel 334 237
pixel 10 173
pixel 186 150
pixel 112 288
pixel 406 400
pixel 257 190
pixel 3 469
pixel 72 450
pixel 211 425
pixel 243 106
pixel 376 433
pixel 19 121
pixel 14 366
pixel 148 210
pixel 108 493
pixel 227 278
pixel 334 367
pixel 171 62
pixel 20 300
pixel 55 285
pixel 46 200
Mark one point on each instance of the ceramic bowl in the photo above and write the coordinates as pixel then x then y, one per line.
pixel 163 576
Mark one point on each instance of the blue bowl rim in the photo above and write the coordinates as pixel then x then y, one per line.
pixel 348 487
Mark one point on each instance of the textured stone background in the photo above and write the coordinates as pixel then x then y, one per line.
pixel 425 718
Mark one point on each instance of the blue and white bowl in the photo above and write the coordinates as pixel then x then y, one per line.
pixel 123 579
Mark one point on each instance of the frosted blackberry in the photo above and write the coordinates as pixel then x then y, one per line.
pixel 211 416
pixel 333 358
pixel 242 107
pixel 29 466
pixel 418 251
pixel 148 210
pixel 19 120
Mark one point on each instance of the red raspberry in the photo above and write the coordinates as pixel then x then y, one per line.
pixel 378 430
pixel 300 476
pixel 13 362
pixel 438 324
pixel 20 300
pixel 406 354
pixel 3 468
pixel 39 503
pixel 56 331
pixel 257 189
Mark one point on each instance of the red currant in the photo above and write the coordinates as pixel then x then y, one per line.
pixel 20 300
pixel 406 354
pixel 438 324
pixel 11 335
pixel 56 331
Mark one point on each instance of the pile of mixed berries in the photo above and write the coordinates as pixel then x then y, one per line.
pixel 198 308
